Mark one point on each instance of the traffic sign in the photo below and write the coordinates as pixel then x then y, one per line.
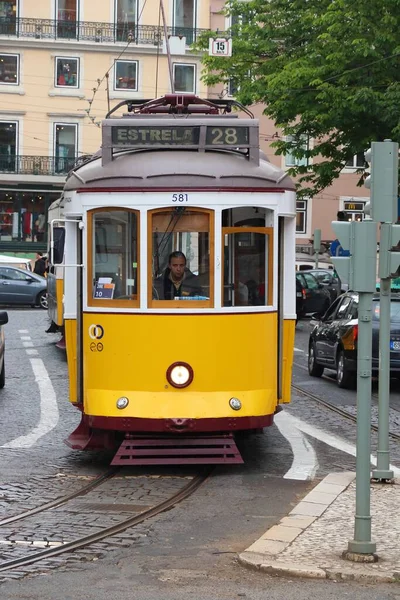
pixel 220 47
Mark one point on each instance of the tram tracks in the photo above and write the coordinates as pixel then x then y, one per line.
pixel 34 556
pixel 337 409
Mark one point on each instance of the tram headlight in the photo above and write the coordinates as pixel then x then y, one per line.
pixel 235 403
pixel 122 402
pixel 180 374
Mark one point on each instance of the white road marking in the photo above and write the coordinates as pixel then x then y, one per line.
pixel 27 344
pixel 48 408
pixel 331 440
pixel 298 350
pixel 26 337
pixel 31 351
pixel 23 330
pixel 305 462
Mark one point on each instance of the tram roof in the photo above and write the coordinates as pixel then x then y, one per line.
pixel 155 169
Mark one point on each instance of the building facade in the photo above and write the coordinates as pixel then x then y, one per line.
pixel 63 65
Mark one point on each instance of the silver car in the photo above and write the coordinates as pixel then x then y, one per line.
pixel 19 286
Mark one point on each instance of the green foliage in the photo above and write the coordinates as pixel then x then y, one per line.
pixel 325 69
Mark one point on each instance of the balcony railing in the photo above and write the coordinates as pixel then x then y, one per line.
pixel 108 33
pixel 36 165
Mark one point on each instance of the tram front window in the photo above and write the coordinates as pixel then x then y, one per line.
pixel 180 256
pixel 247 257
pixel 114 252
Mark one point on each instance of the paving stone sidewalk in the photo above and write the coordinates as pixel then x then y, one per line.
pixel 309 542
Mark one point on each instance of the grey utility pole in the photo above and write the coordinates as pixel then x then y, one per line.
pixel 317 245
pixel 359 270
pixel 383 183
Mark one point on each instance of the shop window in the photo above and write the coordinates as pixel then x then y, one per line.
pixel 67 72
pixel 181 257
pixel 247 252
pixel 113 235
pixel 8 145
pixel 9 69
pixel 125 75
pixel 65 147
pixel 8 17
pixel 301 216
pixel 23 216
pixel 8 217
pixel 125 18
pixel 184 78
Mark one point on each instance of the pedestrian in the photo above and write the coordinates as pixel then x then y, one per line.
pixel 40 264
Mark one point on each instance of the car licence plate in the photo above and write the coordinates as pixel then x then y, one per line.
pixel 394 345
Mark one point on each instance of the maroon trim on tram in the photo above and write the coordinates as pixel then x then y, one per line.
pixel 102 432
pixel 186 189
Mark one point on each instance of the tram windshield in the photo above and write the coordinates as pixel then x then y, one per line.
pixel 181 256
pixel 114 255
pixel 248 267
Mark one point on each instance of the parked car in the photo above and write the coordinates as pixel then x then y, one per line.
pixel 19 286
pixel 333 340
pixel 330 280
pixel 14 261
pixel 316 298
pixel 3 321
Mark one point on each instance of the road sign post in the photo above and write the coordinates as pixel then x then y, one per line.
pixel 383 183
pixel 359 270
pixel 317 245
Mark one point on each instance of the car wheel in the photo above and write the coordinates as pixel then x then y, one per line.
pixel 314 369
pixel 3 375
pixel 345 378
pixel 42 300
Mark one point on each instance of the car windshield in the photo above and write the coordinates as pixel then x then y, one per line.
pixel 394 311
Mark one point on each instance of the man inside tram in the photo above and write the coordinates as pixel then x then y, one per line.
pixel 177 281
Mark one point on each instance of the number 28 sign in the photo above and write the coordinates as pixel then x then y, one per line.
pixel 220 47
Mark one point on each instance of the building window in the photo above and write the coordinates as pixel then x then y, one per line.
pixel 67 17
pixel 65 146
pixel 9 69
pixel 354 210
pixel 125 75
pixel 301 216
pixel 293 161
pixel 8 17
pixel 184 19
pixel 126 12
pixel 67 72
pixel 8 145
pixel 356 162
pixel 184 78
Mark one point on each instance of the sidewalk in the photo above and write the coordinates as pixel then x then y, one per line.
pixel 309 542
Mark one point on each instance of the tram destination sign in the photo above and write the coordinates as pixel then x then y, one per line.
pixel 179 135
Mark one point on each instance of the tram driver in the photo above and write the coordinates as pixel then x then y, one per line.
pixel 177 281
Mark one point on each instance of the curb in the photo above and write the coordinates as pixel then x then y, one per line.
pixel 263 555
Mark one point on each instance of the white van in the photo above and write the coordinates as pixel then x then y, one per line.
pixel 14 261
pixel 305 262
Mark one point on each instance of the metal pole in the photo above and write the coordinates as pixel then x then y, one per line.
pixel 382 471
pixel 362 544
pixel 171 75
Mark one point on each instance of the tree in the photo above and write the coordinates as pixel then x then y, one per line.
pixel 326 70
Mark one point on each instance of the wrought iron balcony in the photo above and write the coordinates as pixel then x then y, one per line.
pixel 35 165
pixel 107 33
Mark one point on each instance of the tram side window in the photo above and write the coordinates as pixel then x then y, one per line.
pixel 181 256
pixel 115 255
pixel 248 265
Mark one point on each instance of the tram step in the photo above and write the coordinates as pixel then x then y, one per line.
pixel 190 450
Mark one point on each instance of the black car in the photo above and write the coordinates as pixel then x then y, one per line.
pixel 333 341
pixel 330 280
pixel 315 297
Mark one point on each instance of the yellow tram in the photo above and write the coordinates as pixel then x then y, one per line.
pixel 179 300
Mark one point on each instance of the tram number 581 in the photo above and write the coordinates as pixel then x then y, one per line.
pixel 180 197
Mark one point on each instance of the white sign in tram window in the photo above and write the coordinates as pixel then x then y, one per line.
pixel 220 47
